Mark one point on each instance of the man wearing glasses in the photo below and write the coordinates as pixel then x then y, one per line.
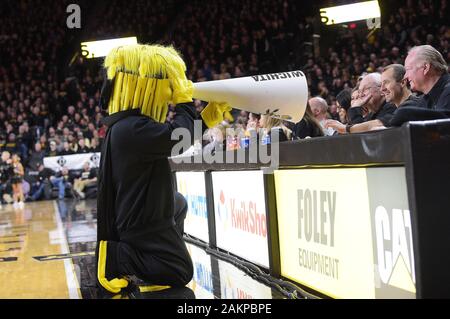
pixel 371 101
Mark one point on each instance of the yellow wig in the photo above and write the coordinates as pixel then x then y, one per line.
pixel 147 77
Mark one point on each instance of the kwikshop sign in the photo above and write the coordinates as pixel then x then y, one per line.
pixel 346 232
pixel 240 213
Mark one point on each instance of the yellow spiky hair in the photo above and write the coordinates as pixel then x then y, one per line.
pixel 148 77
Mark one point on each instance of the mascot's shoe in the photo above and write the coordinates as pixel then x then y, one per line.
pixel 114 285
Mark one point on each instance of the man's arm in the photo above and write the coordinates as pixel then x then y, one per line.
pixel 365 127
pixel 336 125
pixel 358 110
pixel 356 128
pixel 355 115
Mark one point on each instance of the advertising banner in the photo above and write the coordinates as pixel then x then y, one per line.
pixel 240 213
pixel 202 281
pixel 192 186
pixel 346 232
pixel 236 284
pixel 72 162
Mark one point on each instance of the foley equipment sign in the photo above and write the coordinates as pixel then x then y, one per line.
pixel 346 232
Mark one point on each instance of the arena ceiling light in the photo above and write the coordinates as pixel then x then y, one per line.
pixel 350 12
pixel 97 49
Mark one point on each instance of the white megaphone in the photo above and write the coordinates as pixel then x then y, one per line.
pixel 285 91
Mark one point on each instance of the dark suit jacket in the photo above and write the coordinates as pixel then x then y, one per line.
pixel 439 96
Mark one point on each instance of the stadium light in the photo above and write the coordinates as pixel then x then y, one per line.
pixel 350 12
pixel 97 49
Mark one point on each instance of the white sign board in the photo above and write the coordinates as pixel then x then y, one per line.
pixel 240 213
pixel 72 162
pixel 202 281
pixel 235 284
pixel 192 186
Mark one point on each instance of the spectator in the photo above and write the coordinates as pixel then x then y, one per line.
pixel 52 149
pixel 308 126
pixel 319 108
pixel 333 111
pixel 61 180
pixel 89 133
pixel 22 142
pixel 363 109
pixel 215 138
pixel 253 121
pixel 36 157
pixel 270 125
pixel 343 100
pixel 16 182
pixel 42 185
pixel 427 72
pixel 73 143
pixel 44 142
pixel 6 174
pixel 11 145
pixel 95 146
pixel 82 148
pixel 66 150
pixel 88 177
pixel 394 87
pixel 380 112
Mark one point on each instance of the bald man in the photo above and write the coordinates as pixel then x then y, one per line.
pixel 319 108
pixel 370 99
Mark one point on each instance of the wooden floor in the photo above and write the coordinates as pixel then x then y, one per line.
pixel 47 251
pixel 26 233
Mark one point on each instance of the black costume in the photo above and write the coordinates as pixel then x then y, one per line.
pixel 140 217
pixel 139 207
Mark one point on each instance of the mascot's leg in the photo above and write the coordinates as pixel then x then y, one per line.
pixel 106 267
pixel 159 258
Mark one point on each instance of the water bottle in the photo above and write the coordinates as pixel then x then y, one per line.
pixel 265 138
pixel 245 140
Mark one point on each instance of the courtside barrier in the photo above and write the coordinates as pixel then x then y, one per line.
pixel 354 216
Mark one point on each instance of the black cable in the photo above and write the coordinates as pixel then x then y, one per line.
pixel 287 289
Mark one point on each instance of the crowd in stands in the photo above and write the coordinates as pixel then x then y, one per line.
pixel 40 114
pixel 48 108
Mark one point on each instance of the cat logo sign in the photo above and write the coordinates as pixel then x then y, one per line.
pixel 394 251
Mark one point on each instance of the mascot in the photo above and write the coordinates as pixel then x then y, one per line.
pixel 140 216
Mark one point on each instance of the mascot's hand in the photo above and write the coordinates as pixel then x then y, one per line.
pixel 214 113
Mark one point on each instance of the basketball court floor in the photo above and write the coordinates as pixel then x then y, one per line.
pixel 47 252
